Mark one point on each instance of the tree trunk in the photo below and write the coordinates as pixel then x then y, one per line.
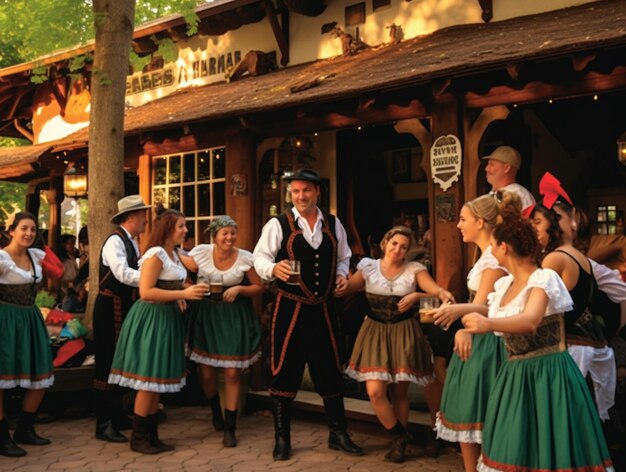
pixel 114 20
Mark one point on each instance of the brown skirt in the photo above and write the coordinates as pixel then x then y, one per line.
pixel 391 352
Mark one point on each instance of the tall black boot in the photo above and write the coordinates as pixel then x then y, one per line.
pixel 216 411
pixel 105 426
pixel 282 428
pixel 338 438
pixel 153 434
pixel 25 431
pixel 7 445
pixel 229 430
pixel 140 439
pixel 398 444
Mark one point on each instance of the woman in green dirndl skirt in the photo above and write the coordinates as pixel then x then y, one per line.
pixel 540 414
pixel 391 350
pixel 477 358
pixel 150 353
pixel 25 357
pixel 226 330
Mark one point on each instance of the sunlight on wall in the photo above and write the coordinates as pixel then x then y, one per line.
pixel 504 9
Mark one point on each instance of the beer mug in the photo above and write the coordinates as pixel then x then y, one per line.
pixel 294 276
pixel 204 279
pixel 216 284
pixel 428 308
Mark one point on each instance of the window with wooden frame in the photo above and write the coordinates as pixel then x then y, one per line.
pixel 193 183
pixel 606 219
pixel 355 14
pixel 379 4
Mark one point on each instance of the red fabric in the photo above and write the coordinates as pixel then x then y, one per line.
pixel 550 188
pixel 68 350
pixel 51 265
pixel 58 317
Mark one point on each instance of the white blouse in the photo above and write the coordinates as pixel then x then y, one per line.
pixel 486 261
pixel 203 255
pixel 171 270
pixel 11 274
pixel 376 283
pixel 559 299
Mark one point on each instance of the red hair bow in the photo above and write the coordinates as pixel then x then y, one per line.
pixel 550 188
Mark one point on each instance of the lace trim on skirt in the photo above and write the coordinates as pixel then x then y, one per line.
pixel 228 363
pixel 136 384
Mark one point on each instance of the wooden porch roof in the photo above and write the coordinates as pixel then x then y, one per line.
pixel 453 52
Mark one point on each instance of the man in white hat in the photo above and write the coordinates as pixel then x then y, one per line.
pixel 502 166
pixel 119 279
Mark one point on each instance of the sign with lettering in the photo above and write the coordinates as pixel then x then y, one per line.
pixel 445 161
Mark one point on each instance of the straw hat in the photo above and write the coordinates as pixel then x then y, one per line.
pixel 128 204
pixel 506 154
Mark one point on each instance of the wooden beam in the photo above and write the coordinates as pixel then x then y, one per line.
pixel 580 62
pixel 261 124
pixel 281 38
pixel 415 127
pixel 441 86
pixel 536 91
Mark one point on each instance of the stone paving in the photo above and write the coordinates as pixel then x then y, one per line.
pixel 199 448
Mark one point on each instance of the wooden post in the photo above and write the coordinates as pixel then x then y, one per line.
pixel 449 268
pixel 241 186
pixel 144 171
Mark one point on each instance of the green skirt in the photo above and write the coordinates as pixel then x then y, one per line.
pixel 224 334
pixel 25 356
pixel 540 417
pixel 467 388
pixel 150 352
pixel 391 352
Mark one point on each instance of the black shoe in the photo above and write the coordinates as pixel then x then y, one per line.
pixel 107 432
pixel 8 448
pixel 122 422
pixel 216 413
pixel 29 437
pixel 282 447
pixel 229 429
pixel 340 441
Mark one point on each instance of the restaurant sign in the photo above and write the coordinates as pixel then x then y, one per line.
pixel 445 161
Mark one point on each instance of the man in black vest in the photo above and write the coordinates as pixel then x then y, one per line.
pixel 304 325
pixel 119 279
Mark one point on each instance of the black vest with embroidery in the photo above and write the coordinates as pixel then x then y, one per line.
pixel 107 280
pixel 317 266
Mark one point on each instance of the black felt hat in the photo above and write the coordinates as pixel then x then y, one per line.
pixel 308 175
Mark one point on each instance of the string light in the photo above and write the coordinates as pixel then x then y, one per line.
pixel 550 101
pixel 595 97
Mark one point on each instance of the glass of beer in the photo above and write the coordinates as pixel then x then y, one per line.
pixel 217 284
pixel 294 276
pixel 204 279
pixel 428 308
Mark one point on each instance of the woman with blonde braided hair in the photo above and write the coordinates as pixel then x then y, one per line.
pixel 477 358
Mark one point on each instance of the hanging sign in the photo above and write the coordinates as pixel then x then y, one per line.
pixel 445 161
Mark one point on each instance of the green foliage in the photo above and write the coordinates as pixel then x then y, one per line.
pixel 34 28
pixel 39 74
pixel 78 62
pixel 45 300
pixel 167 49
pixel 12 197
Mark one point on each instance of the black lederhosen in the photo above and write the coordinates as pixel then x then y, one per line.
pixel 113 301
pixel 304 324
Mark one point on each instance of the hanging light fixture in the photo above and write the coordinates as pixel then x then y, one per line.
pixel 75 182
pixel 621 148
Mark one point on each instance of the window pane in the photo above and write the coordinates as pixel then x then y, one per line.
pixel 203 236
pixel 160 171
pixel 174 176
pixel 203 165
pixel 158 196
pixel 204 200
pixel 219 163
pixel 174 202
pixel 612 214
pixel 189 168
pixel 189 201
pixel 219 199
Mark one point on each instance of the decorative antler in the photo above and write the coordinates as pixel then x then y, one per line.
pixel 550 188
